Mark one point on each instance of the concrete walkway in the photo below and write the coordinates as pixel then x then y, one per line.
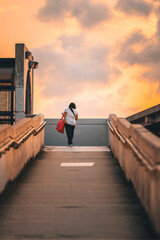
pixel 72 193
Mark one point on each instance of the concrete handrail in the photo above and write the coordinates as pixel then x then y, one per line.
pixel 115 131
pixel 138 153
pixel 17 142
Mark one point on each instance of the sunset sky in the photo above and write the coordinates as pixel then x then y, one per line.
pixel 103 55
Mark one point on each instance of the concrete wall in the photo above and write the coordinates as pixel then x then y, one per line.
pixel 88 132
pixel 18 144
pixel 138 153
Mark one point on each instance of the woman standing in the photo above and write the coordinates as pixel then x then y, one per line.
pixel 70 115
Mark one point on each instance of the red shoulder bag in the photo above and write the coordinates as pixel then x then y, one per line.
pixel 60 125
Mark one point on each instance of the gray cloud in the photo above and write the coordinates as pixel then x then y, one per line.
pixel 148 56
pixel 90 14
pixel 134 38
pixel 127 53
pixel 150 53
pixel 54 10
pixel 87 14
pixel 135 7
pixel 153 48
pixel 153 73
pixel 72 69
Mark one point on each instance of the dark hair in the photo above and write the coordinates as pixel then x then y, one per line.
pixel 72 105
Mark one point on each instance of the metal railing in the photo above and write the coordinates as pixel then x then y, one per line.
pixel 7 91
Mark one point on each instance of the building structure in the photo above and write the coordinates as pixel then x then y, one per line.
pixel 16 85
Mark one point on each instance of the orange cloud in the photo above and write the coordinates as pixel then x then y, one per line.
pixel 96 54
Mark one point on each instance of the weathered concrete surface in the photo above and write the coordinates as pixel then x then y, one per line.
pixel 48 201
pixel 140 117
pixel 13 160
pixel 88 132
pixel 149 118
pixel 21 75
pixel 138 152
